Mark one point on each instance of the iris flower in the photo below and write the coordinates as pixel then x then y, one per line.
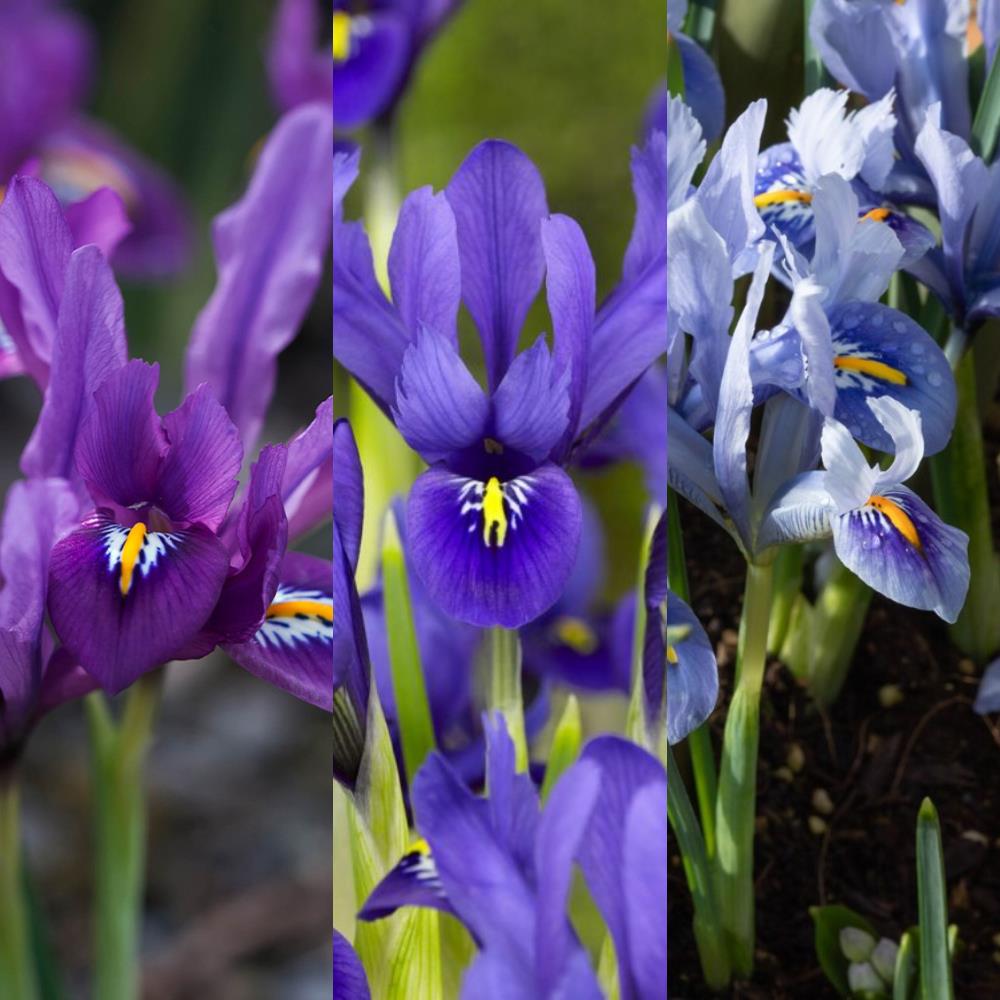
pixel 375 51
pixel 495 522
pixel 36 674
pixel 46 56
pixel 504 868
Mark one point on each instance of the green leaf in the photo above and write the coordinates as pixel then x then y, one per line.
pixel 986 124
pixel 935 963
pixel 829 921
pixel 416 730
pixel 700 22
pixel 651 738
pixel 415 965
pixel 904 983
pixel 565 745
pixel 675 69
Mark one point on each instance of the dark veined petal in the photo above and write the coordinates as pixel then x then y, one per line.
pixel 414 881
pixel 531 404
pixel 692 673
pixel 349 980
pixel 494 553
pixel 901 548
pixel 424 269
pixel 124 600
pixel 293 647
pixel 370 55
pixel 499 202
pixel 440 408
pixel 348 489
pixel 122 442
pixel 881 352
pixel 197 478
pixel 90 345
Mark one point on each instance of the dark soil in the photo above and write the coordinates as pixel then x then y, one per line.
pixel 876 764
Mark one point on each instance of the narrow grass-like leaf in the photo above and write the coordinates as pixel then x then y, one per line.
pixel 986 124
pixel 904 982
pixel 935 963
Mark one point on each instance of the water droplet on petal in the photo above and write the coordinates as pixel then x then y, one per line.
pixel 935 379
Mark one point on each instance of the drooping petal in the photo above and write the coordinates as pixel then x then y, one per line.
pixel 440 408
pixel 307 489
pixel 570 290
pixel 531 404
pixel 121 443
pixel 35 244
pixel 197 478
pixel 692 672
pixel 690 469
pixel 499 202
pixel 414 881
pixel 367 75
pixel 494 553
pixel 270 247
pixel 349 980
pixel 90 345
pixel 801 512
pixel 123 604
pixel 881 352
pixel 424 267
pixel 293 648
pixel 899 547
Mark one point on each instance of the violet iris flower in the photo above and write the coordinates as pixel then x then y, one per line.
pixel 46 54
pixel 703 91
pixel 495 522
pixel 504 868
pixel 825 138
pixel 376 46
pixel 35 674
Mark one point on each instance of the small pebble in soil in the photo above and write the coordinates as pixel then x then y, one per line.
pixel 996 939
pixel 784 774
pixel 817 825
pixel 966 666
pixel 796 758
pixel 822 802
pixel 889 695
pixel 976 837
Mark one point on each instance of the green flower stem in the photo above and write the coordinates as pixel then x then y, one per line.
pixel 708 927
pixel 17 968
pixel 737 797
pixel 787 587
pixel 118 754
pixel 699 740
pixel 814 74
pixel 837 621
pixel 960 493
pixel 505 688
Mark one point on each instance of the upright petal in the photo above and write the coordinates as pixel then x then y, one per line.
pixel 494 553
pixel 653 184
pixel 702 86
pixel 499 202
pixel 298 68
pixel 307 489
pixel 855 44
pixel 100 218
pixel 440 408
pixel 849 479
pixel 122 442
pixel 89 346
pixel 348 489
pixel 122 608
pixel 685 150
pixel 531 404
pixel 423 264
pixel 270 248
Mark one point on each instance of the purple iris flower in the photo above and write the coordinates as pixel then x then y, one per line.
pixel 825 138
pixel 376 46
pixel 965 271
pixel 882 531
pixel 918 48
pixel 495 522
pixel 36 675
pixel 504 868
pixel 703 91
pixel 45 65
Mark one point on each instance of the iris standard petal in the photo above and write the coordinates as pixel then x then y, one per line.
pixel 298 68
pixel 348 489
pixel 685 150
pixel 90 345
pixel 881 352
pixel 369 61
pixel 349 980
pixel 307 488
pixel 498 198
pixel 899 547
pixel 494 553
pixel 570 282
pixel 424 269
pixel 692 672
pixel 122 443
pixel 849 479
pixel 531 404
pixel 440 408
pixel 293 648
pixel 270 247
pixel 855 44
pixel 197 479
pixel 124 600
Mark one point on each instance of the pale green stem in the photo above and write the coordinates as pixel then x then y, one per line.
pixel 787 587
pixel 737 796
pixel 17 968
pixel 505 688
pixel 118 759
